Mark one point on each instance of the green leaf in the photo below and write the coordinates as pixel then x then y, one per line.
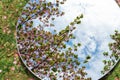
pixel 54 69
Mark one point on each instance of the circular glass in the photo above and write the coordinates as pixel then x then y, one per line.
pixel 68 39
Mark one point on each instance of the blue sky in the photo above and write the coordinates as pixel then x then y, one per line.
pixel 101 18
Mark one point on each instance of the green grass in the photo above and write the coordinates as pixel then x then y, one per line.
pixel 115 74
pixel 9 13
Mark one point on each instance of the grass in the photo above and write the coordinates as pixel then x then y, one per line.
pixel 11 67
pixel 115 74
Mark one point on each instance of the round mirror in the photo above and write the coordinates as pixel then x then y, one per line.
pixel 67 39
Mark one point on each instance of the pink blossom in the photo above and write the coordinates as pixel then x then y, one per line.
pixel 12 68
pixel 14 62
pixel 5 17
pixel 0 71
